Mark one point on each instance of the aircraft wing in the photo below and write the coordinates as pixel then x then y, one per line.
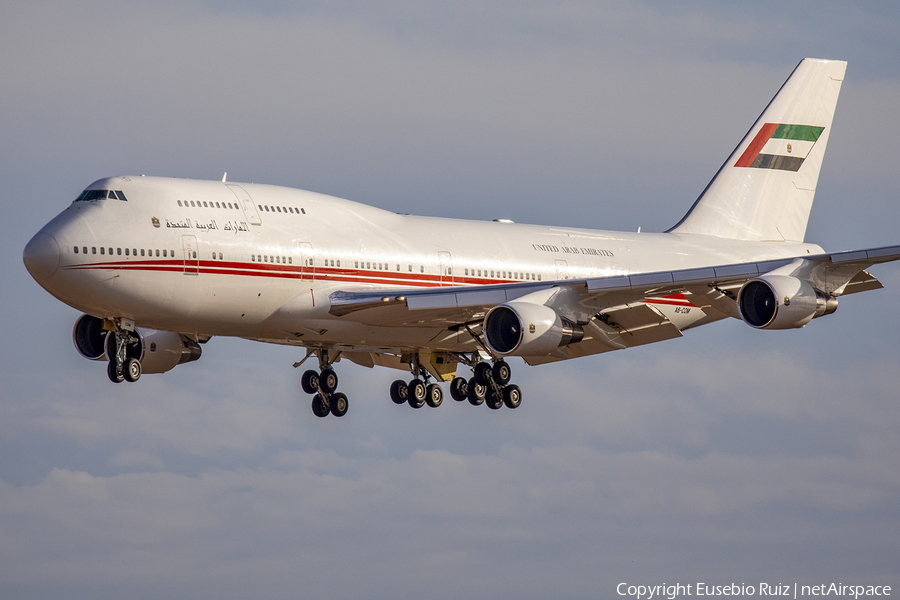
pixel 620 310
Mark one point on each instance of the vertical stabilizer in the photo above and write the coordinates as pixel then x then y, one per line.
pixel 765 189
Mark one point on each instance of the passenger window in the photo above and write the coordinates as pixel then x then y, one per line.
pixel 290 260
pixel 126 251
pixel 84 249
pixel 339 262
pixel 94 249
pixel 142 252
pixel 278 208
pixel 217 205
pixel 192 203
pixel 303 210
pixel 194 255
pixel 76 249
pixel 102 250
pixel 179 203
pixel 157 253
pixel 220 256
pixel 267 208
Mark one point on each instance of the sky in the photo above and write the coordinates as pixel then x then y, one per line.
pixel 728 456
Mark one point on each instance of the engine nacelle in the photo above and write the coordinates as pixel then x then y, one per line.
pixel 528 329
pixel 158 351
pixel 782 302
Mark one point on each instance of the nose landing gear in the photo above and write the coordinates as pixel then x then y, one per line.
pixel 121 345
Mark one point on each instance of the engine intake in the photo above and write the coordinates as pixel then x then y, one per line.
pixel 528 329
pixel 782 302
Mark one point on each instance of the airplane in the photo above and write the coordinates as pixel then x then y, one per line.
pixel 159 266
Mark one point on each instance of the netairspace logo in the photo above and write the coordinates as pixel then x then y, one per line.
pixel 676 590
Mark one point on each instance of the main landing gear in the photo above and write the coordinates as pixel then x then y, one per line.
pixel 418 392
pixel 489 384
pixel 121 366
pixel 323 385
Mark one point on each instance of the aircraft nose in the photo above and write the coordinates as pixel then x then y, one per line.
pixel 41 256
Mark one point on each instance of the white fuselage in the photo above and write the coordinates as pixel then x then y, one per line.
pixel 260 261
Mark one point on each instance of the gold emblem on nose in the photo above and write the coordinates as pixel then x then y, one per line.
pixel 155 221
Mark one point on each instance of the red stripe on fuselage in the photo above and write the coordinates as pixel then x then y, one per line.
pixel 291 272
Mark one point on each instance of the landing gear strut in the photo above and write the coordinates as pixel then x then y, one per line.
pixel 322 385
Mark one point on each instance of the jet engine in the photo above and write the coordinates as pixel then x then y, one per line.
pixel 528 329
pixel 782 302
pixel 158 351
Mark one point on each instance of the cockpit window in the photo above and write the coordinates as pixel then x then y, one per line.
pixel 88 195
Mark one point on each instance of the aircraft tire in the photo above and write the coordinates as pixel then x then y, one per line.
pixel 320 406
pixel 434 395
pixel 132 370
pixel 458 389
pixel 339 404
pixel 476 392
pixel 399 392
pixel 328 380
pixel 310 382
pixel 417 393
pixel 483 373
pixel 512 396
pixel 501 372
pixel 114 372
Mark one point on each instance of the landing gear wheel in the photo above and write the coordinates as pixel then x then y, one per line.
pixel 476 392
pixel 310 382
pixel 512 396
pixel 328 380
pixel 114 372
pixel 434 395
pixel 320 406
pixel 339 404
pixel 132 370
pixel 493 400
pixel 417 393
pixel 482 373
pixel 399 392
pixel 458 389
pixel 501 372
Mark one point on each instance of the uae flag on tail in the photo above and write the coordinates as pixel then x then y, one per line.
pixel 780 146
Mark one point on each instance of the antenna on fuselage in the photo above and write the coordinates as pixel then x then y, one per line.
pixel 224 175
